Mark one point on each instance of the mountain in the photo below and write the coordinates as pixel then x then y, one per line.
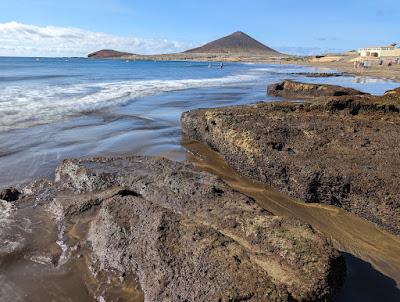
pixel 108 53
pixel 236 43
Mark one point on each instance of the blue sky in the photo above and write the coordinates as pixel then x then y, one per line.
pixel 166 26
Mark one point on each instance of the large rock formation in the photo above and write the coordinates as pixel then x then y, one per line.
pixel 187 235
pixel 342 151
pixel 297 90
pixel 236 43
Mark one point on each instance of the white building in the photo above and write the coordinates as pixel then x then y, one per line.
pixel 380 51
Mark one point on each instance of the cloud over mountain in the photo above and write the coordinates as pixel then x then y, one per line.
pixel 18 39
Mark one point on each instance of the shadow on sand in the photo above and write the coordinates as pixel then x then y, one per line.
pixel 365 284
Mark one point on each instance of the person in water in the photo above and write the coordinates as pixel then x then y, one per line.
pixel 222 65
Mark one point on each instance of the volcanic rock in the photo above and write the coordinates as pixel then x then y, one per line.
pixel 342 151
pixel 320 74
pixel 9 194
pixel 187 235
pixel 297 90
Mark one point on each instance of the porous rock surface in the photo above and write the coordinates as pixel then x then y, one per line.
pixel 342 150
pixel 297 90
pixel 187 235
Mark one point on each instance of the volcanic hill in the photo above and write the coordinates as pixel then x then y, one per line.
pixel 108 53
pixel 236 43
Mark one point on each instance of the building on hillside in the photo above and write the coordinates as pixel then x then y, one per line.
pixel 380 51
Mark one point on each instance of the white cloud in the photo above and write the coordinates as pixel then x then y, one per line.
pixel 17 39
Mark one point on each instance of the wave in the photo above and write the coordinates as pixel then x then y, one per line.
pixel 33 77
pixel 26 106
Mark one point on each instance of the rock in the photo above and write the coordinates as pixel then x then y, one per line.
pixel 190 237
pixel 320 74
pixel 393 91
pixel 342 151
pixel 9 194
pixel 297 90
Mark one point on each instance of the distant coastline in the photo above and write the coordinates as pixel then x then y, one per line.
pixel 239 47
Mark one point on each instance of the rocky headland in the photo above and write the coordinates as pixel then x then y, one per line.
pixel 339 146
pixel 184 234
pixel 108 54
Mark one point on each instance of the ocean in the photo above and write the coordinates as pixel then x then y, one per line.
pixel 54 108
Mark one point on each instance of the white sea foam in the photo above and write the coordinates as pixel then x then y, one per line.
pixel 9 241
pixel 24 106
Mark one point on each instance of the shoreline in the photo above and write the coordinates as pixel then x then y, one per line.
pixel 340 63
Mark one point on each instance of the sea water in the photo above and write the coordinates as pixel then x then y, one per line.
pixel 54 108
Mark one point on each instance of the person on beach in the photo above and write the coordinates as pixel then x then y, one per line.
pixel 380 62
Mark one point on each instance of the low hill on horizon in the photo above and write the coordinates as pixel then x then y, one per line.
pixel 236 43
pixel 108 53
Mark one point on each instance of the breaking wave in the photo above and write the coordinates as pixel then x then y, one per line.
pixel 26 106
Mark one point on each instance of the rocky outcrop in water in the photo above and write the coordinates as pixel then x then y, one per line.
pixel 321 74
pixel 342 150
pixel 297 90
pixel 186 235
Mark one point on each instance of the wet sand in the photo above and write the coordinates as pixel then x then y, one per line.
pixel 372 255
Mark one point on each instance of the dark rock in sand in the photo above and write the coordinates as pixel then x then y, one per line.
pixel 297 90
pixel 9 194
pixel 343 151
pixel 188 236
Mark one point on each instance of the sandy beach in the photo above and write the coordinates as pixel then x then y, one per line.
pixel 345 64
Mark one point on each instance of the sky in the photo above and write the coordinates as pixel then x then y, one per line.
pixel 78 27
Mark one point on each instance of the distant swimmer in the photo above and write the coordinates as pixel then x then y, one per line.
pixel 222 65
